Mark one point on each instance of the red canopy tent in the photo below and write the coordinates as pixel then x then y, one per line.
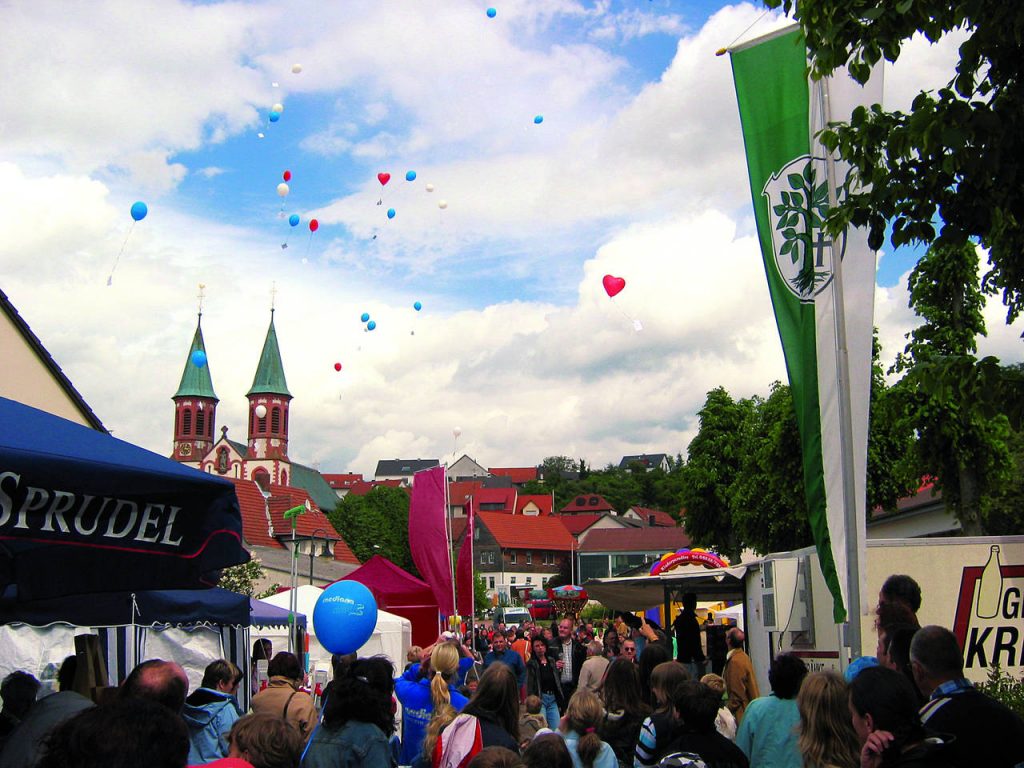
pixel 399 592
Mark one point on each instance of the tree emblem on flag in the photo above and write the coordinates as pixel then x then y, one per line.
pixel 797 206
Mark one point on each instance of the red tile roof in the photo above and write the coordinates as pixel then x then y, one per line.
pixel 344 480
pixel 460 490
pixel 542 500
pixel 515 474
pixel 343 553
pixel 504 496
pixel 663 519
pixel 586 504
pixel 284 497
pixel 577 524
pixel 644 539
pixel 522 532
pixel 253 505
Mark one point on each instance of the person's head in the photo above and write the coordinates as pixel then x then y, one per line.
pixel 652 655
pixel 266 741
pixel 157 680
pixel 363 694
pixel 444 663
pixel 621 688
pixel 123 733
pixel 495 757
pixel 547 750
pixel 899 652
pixel 900 588
pixel 221 675
pixel 690 601
pixel 499 642
pixel 414 655
pixel 883 700
pixel 734 638
pixel 583 715
pixel 539 647
pixel 18 690
pixel 697 705
pixel 564 631
pixel 533 705
pixel 595 648
pixel 262 650
pixel 340 662
pixel 826 730
pixel 286 665
pixel 473 678
pixel 520 634
pixel 497 697
pixel 715 682
pixel 66 674
pixel 501 627
pixel 629 649
pixel 785 675
pixel 547 634
pixel 935 657
pixel 664 679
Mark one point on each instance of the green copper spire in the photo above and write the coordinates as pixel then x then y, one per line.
pixel 195 379
pixel 269 379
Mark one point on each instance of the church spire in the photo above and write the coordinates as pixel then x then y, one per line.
pixel 195 402
pixel 195 379
pixel 269 378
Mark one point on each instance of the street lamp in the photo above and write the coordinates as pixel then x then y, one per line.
pixel 312 546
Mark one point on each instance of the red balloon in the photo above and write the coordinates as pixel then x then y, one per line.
pixel 613 285
pixel 337 366
pixel 314 225
pixel 383 178
pixel 287 175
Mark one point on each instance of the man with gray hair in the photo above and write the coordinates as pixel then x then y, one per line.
pixel 985 730
pixel 593 669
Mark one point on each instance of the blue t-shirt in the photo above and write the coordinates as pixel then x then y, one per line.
pixel 413 692
pixel 768 732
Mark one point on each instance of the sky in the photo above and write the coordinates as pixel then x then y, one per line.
pixel 552 144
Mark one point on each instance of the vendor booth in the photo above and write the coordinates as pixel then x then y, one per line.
pixel 402 594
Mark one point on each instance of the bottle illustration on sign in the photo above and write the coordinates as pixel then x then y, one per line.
pixel 990 587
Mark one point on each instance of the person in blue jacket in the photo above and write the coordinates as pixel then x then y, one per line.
pixel 425 689
pixel 503 654
pixel 210 711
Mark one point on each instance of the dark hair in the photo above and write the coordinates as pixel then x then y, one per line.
pixel 267 741
pixel 18 691
pixel 220 671
pixel 937 651
pixel 889 616
pixel 889 698
pixel 651 656
pixel 734 638
pixel 66 674
pixel 621 689
pixel 121 734
pixel 495 757
pixel 261 649
pixel 497 698
pixel 785 675
pixel 697 705
pixel 363 694
pixel 547 751
pixel 690 601
pixel 903 589
pixel 157 680
pixel 285 664
pixel 340 662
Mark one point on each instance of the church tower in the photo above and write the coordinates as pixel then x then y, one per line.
pixel 268 407
pixel 195 404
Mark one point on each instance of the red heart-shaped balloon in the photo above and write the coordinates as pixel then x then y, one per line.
pixel 613 285
pixel 383 178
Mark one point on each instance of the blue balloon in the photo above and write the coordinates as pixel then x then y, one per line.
pixel 139 210
pixel 275 116
pixel 199 358
pixel 492 12
pixel 365 316
pixel 391 213
pixel 294 219
pixel 371 325
pixel 344 617
pixel 410 175
pixel 538 119
pixel 417 306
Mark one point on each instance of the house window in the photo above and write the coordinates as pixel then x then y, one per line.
pixel 275 420
pixel 529 579
pixel 483 558
pixel 529 558
pixel 490 582
pixel 476 534
pixel 261 425
pixel 512 557
pixel 513 579
pixel 490 558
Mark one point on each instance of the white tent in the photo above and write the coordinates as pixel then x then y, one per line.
pixel 391 637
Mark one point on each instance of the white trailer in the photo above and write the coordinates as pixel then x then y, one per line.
pixel 972 585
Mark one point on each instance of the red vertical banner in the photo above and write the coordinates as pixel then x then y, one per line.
pixel 428 535
pixel 464 567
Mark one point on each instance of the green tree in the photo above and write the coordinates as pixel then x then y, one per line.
pixel 1002 512
pixel 957 155
pixel 376 524
pixel 961 437
pixel 892 472
pixel 481 602
pixel 244 577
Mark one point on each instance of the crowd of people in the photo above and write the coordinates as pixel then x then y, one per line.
pixel 566 695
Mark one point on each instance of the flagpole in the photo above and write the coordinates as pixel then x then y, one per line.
pixel 850 517
pixel 448 532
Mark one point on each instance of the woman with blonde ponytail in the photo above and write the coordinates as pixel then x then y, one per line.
pixel 426 690
pixel 579 729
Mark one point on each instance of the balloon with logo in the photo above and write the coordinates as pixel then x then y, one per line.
pixel 344 617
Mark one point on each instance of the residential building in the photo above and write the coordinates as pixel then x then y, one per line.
pixel 402 469
pixel 534 504
pixel 342 483
pixel 519 476
pixel 587 504
pixel 465 468
pixel 609 552
pixel 650 517
pixel 923 513
pixel 518 550
pixel 649 461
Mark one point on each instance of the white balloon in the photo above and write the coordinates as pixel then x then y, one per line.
pixel 430 187
pixel 456 432
pixel 442 204
pixel 261 411
pixel 277 108
pixel 282 189
pixel 296 68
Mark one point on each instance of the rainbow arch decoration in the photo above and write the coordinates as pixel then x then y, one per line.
pixel 695 556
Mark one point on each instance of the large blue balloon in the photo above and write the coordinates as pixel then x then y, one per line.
pixel 199 358
pixel 294 219
pixel 139 210
pixel 344 617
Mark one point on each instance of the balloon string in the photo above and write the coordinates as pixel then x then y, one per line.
pixel 309 246
pixel 637 325
pixel 110 277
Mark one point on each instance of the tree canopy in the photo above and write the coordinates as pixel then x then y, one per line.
pixel 376 524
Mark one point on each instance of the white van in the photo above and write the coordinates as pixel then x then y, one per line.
pixel 512 616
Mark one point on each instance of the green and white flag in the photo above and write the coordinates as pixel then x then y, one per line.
pixel 781 110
